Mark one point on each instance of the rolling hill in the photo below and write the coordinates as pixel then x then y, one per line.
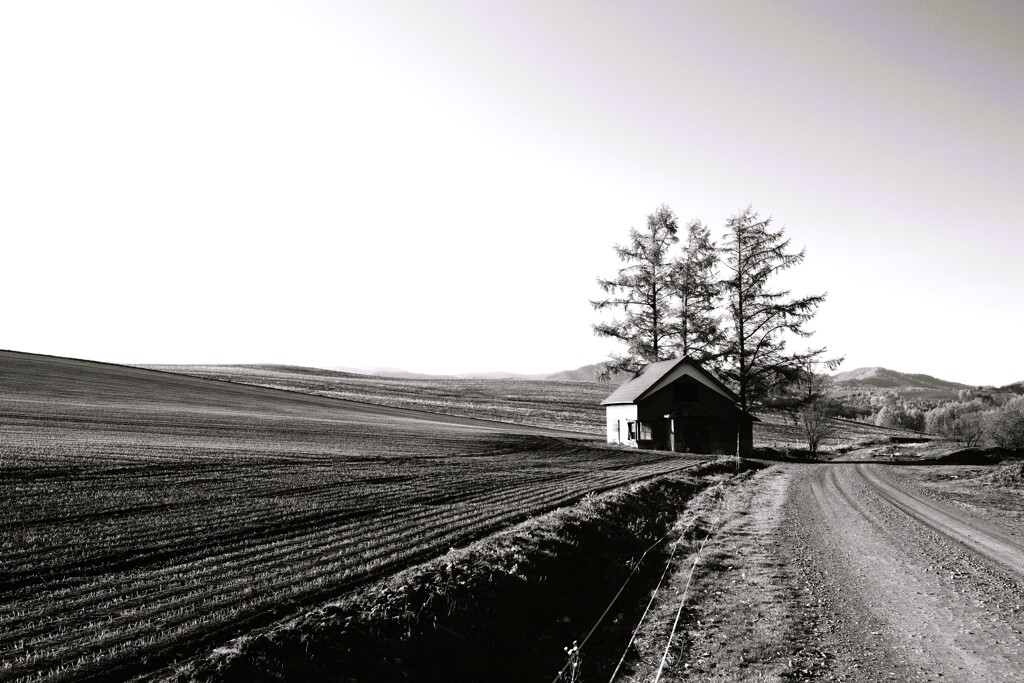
pixel 584 373
pixel 885 378
pixel 1016 388
pixel 399 373
pixel 572 406
pixel 588 373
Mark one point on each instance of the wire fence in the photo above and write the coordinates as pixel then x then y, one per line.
pixel 571 666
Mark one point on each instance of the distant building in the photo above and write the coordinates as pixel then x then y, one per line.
pixel 677 405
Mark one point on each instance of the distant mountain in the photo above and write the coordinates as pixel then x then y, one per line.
pixel 499 375
pixel 588 373
pixel 908 385
pixel 883 378
pixel 389 372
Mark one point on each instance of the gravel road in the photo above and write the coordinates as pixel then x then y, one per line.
pixel 902 586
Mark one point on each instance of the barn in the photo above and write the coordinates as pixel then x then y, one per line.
pixel 677 405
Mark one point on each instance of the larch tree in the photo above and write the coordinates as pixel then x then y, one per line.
pixel 642 292
pixel 698 293
pixel 760 317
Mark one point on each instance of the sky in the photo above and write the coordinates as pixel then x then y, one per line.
pixel 437 186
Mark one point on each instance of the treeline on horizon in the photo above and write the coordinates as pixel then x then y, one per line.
pixel 975 418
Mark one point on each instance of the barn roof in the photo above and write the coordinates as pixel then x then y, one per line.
pixel 642 382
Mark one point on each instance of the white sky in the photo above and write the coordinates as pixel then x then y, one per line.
pixel 436 186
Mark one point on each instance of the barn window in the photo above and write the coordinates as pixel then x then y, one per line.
pixel 631 426
pixel 685 392
pixel 645 431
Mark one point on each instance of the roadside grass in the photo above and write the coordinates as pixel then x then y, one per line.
pixel 743 621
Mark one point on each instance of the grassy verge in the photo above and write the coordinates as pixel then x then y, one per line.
pixel 501 609
pixel 744 618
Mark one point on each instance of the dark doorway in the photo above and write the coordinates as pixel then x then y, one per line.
pixel 696 434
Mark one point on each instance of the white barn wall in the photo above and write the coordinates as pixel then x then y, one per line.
pixel 620 414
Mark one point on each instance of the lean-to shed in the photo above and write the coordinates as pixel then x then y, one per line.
pixel 677 405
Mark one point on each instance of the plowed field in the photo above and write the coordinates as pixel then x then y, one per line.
pixel 148 517
pixel 573 406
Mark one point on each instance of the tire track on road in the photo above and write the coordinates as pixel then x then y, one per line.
pixel 973 533
pixel 910 597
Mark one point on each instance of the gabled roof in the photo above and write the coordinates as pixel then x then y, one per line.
pixel 644 381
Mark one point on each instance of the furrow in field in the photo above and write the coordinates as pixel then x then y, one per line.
pixel 436 536
pixel 433 532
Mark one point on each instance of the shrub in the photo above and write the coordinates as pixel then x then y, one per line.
pixel 1005 425
pixel 817 424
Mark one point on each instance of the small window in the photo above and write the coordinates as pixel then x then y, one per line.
pixel 645 431
pixel 685 392
pixel 631 426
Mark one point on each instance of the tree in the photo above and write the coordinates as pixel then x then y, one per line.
pixel 695 284
pixel 891 415
pixel 642 291
pixel 898 414
pixel 940 419
pixel 969 428
pixel 1005 425
pixel 957 420
pixel 762 318
pixel 815 413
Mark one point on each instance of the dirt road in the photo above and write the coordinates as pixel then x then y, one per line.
pixel 903 586
pixel 848 572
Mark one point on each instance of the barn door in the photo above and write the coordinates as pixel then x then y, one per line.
pixel 696 434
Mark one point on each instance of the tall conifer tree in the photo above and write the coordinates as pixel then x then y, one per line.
pixel 761 317
pixel 642 292
pixel 698 292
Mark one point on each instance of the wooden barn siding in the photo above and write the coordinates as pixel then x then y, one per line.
pixel 654 408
